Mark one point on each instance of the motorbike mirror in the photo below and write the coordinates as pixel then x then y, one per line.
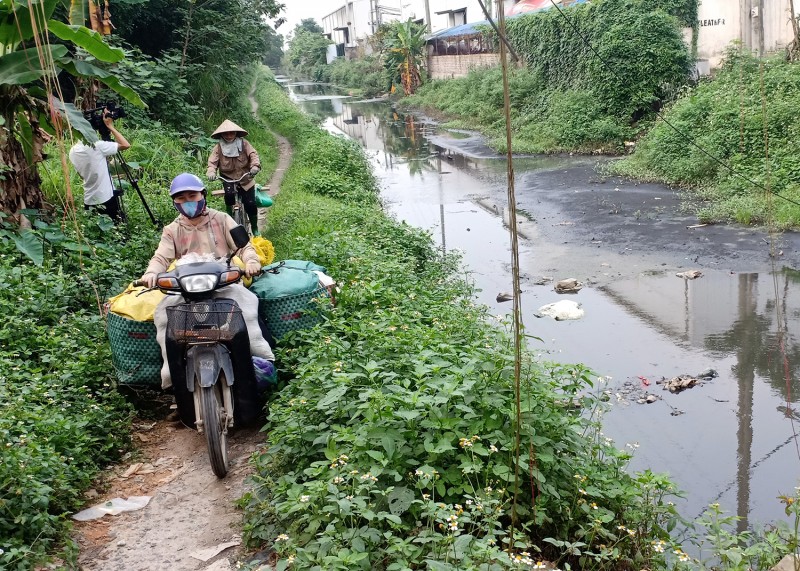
pixel 239 235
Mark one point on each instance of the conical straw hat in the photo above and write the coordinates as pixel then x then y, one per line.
pixel 226 127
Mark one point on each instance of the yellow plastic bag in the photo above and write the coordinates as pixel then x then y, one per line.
pixel 264 249
pixel 136 303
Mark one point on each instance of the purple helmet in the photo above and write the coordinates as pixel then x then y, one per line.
pixel 186 181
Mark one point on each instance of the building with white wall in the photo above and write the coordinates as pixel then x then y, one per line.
pixel 354 21
pixel 761 26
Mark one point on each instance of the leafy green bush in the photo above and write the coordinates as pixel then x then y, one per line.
pixel 61 419
pixel 365 74
pixel 728 121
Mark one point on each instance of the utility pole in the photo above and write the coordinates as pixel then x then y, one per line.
pixel 428 16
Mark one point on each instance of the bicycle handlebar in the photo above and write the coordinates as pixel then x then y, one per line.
pixel 223 178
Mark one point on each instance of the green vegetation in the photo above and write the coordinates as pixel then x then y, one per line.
pixel 397 65
pixel 404 51
pixel 364 75
pixel 307 50
pixel 62 418
pixel 565 98
pixel 748 107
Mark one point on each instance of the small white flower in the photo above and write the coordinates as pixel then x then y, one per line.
pixel 304 499
pixel 282 537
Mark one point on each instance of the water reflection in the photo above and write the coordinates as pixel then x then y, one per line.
pixel 730 440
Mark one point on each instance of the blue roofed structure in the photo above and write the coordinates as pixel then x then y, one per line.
pixel 473 29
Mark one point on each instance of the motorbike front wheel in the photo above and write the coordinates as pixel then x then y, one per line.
pixel 213 411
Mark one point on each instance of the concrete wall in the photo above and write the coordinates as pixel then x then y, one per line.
pixel 448 67
pixel 760 25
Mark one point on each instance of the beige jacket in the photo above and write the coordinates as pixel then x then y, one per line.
pixel 234 167
pixel 210 236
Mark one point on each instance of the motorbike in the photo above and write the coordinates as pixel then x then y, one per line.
pixel 208 350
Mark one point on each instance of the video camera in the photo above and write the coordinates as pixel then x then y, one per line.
pixel 95 117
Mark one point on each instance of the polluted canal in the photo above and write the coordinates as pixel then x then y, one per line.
pixel 731 437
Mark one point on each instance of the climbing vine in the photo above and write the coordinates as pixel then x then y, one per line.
pixel 629 54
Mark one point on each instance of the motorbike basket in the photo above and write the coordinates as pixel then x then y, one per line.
pixel 205 321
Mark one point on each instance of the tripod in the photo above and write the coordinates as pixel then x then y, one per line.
pixel 135 184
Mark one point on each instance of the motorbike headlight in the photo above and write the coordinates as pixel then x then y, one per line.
pixel 199 283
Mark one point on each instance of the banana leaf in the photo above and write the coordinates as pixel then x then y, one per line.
pixel 22 66
pixel 15 19
pixel 85 69
pixel 76 120
pixel 88 39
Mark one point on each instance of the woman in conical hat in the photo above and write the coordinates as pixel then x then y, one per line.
pixel 234 156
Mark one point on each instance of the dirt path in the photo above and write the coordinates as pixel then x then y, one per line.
pixel 191 521
pixel 190 509
pixel 284 160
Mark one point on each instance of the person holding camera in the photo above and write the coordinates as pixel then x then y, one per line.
pixel 91 162
pixel 234 156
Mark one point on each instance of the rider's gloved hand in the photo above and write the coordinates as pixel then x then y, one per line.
pixel 251 268
pixel 254 171
pixel 211 176
pixel 148 279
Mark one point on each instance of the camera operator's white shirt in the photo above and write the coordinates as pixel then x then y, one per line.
pixel 91 164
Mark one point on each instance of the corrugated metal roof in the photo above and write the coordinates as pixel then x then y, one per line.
pixel 472 29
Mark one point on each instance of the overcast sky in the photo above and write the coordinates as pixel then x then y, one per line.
pixel 297 10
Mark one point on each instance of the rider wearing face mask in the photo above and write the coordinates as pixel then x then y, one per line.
pixel 199 229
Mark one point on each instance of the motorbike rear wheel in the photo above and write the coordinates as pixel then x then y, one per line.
pixel 213 411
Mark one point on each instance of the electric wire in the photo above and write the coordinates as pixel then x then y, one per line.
pixel 683 135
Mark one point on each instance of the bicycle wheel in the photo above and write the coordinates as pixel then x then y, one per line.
pixel 214 426
pixel 240 217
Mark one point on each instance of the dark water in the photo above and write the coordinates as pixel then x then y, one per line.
pixel 731 440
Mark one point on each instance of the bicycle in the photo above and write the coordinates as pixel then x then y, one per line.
pixel 235 187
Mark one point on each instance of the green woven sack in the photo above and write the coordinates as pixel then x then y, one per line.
pixel 292 312
pixel 285 278
pixel 134 350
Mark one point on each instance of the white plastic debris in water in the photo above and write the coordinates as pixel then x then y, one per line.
pixel 561 310
pixel 112 507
